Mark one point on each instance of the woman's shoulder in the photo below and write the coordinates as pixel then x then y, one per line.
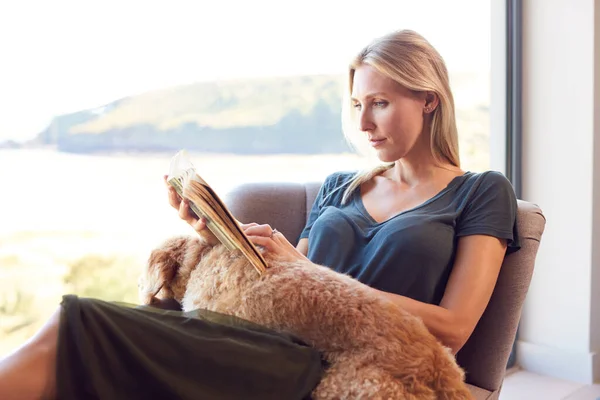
pixel 339 179
pixel 486 181
pixel 487 204
pixel 334 186
pixel 486 190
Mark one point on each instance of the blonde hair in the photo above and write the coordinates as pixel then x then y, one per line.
pixel 411 61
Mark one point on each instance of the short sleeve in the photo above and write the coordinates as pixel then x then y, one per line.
pixel 328 193
pixel 491 209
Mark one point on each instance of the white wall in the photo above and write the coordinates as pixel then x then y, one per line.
pixel 560 328
pixel 595 300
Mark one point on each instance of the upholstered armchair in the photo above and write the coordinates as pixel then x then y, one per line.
pixel 484 357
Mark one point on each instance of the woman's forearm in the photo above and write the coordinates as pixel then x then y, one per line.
pixel 440 321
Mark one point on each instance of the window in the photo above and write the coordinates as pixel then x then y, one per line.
pixel 101 94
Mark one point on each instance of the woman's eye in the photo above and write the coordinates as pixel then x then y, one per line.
pixel 379 104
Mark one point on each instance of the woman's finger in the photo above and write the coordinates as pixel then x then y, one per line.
pixel 259 230
pixel 265 242
pixel 199 225
pixel 246 226
pixel 185 213
pixel 173 193
pixel 202 229
pixel 174 198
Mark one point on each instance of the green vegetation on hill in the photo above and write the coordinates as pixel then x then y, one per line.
pixel 220 105
pixel 271 115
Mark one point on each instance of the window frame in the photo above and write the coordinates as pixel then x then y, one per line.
pixel 507 94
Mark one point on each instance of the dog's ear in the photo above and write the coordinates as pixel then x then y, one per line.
pixel 157 277
pixel 162 267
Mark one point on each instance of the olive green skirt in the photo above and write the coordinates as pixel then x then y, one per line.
pixel 121 351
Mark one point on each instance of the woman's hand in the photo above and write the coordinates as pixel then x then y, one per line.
pixel 273 241
pixel 186 214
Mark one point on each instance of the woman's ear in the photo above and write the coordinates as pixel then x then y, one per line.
pixel 431 102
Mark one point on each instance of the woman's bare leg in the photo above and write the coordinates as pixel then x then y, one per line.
pixel 30 371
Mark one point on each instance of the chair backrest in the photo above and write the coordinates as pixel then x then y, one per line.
pixel 286 206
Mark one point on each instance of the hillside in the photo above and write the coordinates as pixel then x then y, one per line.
pixel 294 115
pixel 248 116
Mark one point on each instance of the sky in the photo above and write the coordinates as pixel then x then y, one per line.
pixel 61 56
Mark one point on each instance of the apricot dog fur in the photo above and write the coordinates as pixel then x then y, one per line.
pixel 375 349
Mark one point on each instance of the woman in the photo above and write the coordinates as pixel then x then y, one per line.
pixel 418 230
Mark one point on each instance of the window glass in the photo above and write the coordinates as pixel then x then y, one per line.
pixel 97 96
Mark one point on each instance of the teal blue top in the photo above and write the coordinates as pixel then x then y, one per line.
pixel 412 253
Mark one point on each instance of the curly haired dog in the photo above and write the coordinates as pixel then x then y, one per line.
pixel 375 349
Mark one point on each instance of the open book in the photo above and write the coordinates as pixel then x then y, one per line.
pixel 204 202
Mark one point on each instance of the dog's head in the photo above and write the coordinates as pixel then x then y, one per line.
pixel 168 269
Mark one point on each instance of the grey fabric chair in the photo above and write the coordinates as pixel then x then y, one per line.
pixel 286 206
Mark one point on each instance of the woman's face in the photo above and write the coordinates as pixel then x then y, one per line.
pixel 390 115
